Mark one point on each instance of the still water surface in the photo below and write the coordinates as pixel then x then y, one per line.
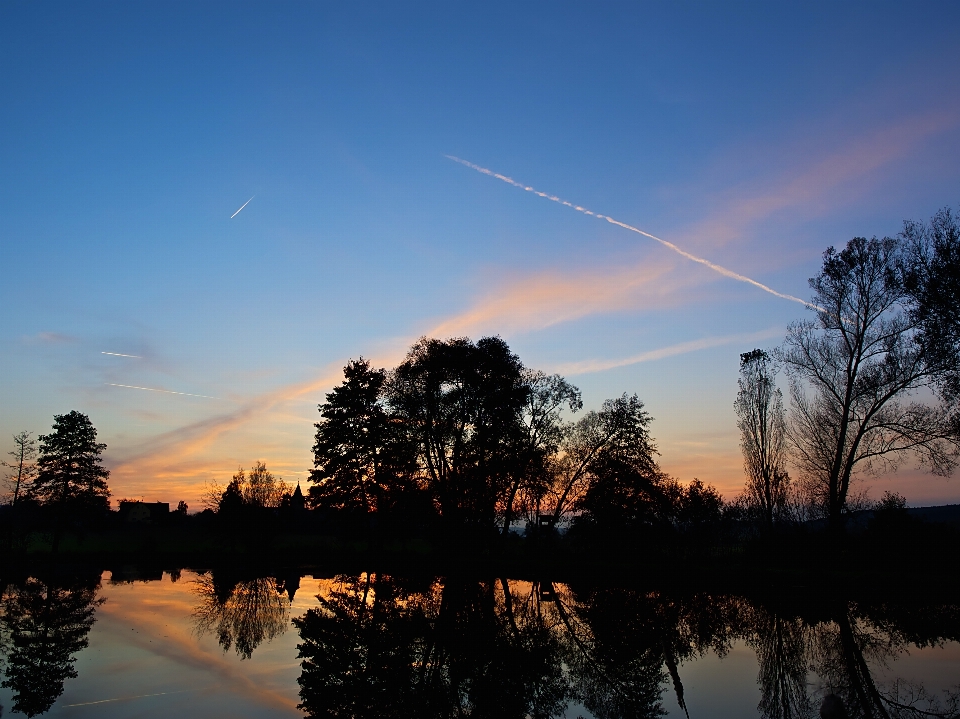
pixel 217 644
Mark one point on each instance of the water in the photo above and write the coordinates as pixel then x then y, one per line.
pixel 188 644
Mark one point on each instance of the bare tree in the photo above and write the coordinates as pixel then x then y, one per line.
pixel 762 424
pixel 23 468
pixel 854 375
pixel 262 488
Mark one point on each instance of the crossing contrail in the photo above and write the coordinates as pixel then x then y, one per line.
pixel 241 207
pixel 713 266
pixel 117 354
pixel 152 389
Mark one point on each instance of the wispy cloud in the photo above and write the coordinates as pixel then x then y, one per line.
pixel 49 338
pixel 546 298
pixel 598 365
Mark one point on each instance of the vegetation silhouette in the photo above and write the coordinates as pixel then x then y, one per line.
pixel 381 646
pixel 243 613
pixel 761 419
pixel 881 335
pixel 45 624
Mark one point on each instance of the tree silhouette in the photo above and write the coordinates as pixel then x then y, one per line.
pixel 852 372
pixel 932 281
pixel 540 441
pixel 363 460
pixel 70 472
pixel 47 626
pixel 761 420
pixel 462 403
pixel 23 469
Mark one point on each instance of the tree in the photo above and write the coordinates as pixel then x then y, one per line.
pixel 543 433
pixel 361 456
pixel 461 404
pixel 262 488
pixel 852 373
pixel 604 458
pixel 761 419
pixel 932 281
pixel 23 469
pixel 70 472
pixel 48 626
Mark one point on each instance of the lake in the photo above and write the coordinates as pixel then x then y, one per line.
pixel 185 643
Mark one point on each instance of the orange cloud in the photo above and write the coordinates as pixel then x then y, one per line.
pixel 547 298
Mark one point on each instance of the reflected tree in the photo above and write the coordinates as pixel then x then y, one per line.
pixel 242 614
pixel 46 625
pixel 781 646
pixel 377 646
pixel 844 653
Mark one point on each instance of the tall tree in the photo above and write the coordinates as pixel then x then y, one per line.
pixel 48 626
pixel 462 403
pixel 853 372
pixel 761 419
pixel 70 472
pixel 361 456
pixel 23 469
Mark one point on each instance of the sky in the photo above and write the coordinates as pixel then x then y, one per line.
pixel 198 338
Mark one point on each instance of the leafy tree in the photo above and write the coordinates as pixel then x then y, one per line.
pixel 231 500
pixel 23 468
pixel 362 459
pixel 543 433
pixel 852 372
pixel 262 488
pixel 761 419
pixel 70 472
pixel 461 404
pixel 47 625
pixel 607 461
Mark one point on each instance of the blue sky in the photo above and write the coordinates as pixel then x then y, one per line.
pixel 753 135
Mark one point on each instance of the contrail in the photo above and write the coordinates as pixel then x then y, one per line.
pixel 713 266
pixel 241 207
pixel 117 354
pixel 122 699
pixel 167 391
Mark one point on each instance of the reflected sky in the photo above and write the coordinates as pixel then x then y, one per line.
pixel 152 650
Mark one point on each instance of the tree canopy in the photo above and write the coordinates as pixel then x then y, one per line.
pixel 70 470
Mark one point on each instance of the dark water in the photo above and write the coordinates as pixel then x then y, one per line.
pixel 219 644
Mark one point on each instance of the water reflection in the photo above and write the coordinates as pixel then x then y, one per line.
pixel 243 613
pixel 45 625
pixel 378 646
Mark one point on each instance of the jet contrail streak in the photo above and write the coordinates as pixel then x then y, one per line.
pixel 241 207
pixel 122 699
pixel 117 354
pixel 167 391
pixel 553 198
